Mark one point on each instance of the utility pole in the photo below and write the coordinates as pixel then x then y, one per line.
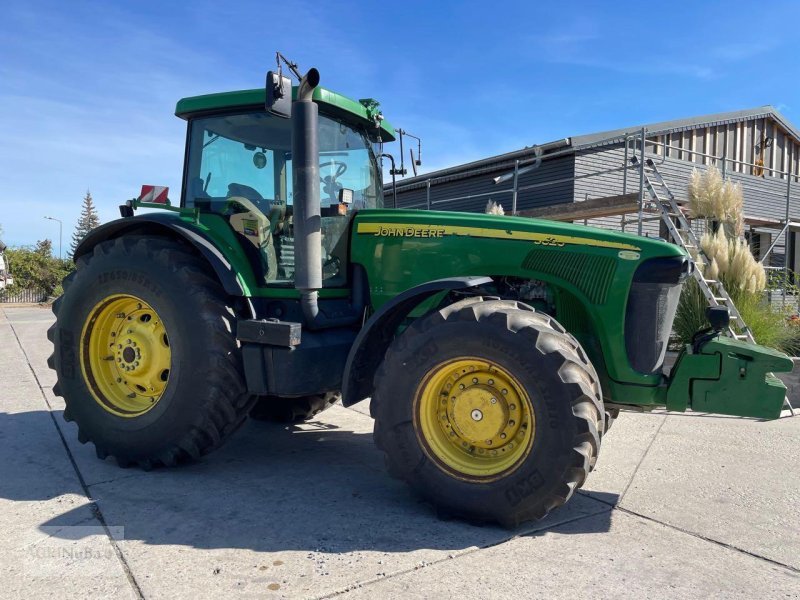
pixel 60 227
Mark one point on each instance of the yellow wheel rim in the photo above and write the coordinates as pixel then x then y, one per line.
pixel 474 419
pixel 125 355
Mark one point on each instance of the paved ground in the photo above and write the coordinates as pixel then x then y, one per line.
pixel 679 506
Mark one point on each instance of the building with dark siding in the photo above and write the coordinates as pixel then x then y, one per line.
pixel 758 148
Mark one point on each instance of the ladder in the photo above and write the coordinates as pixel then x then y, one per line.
pixel 712 289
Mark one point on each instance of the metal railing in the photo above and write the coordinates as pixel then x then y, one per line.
pixel 521 166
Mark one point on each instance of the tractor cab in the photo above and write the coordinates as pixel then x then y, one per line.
pixel 239 165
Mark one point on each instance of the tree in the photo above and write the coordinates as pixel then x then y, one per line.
pixel 87 221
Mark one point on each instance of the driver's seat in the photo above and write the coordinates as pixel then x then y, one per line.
pixel 255 229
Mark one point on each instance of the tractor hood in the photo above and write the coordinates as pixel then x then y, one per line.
pixel 592 274
pixel 538 232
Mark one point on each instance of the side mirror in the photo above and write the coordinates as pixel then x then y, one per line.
pixel 719 317
pixel 278 100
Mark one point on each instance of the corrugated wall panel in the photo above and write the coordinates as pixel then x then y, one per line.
pixel 599 173
pixel 553 181
pixel 764 197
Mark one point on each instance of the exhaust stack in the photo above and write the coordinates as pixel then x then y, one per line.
pixel 307 219
pixel 305 182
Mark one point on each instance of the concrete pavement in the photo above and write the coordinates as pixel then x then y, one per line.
pixel 679 506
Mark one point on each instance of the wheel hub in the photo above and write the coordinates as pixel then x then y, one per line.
pixel 483 422
pixel 126 355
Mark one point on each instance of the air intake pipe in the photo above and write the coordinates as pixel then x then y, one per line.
pixel 307 220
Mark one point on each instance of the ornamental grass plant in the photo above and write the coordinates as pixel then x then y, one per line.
pixel 726 257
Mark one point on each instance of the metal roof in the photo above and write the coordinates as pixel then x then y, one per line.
pixel 677 125
pixel 602 138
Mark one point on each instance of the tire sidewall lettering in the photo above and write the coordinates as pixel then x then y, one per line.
pixel 125 276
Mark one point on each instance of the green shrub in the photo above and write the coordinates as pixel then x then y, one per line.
pixel 770 325
pixel 36 268
pixel 691 314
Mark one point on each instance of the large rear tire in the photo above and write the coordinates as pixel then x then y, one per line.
pixel 490 410
pixel 145 354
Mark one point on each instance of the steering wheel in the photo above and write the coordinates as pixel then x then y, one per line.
pixel 340 168
pixel 330 185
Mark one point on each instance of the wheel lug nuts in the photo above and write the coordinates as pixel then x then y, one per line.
pixel 493 401
pixel 511 423
pixel 461 386
pixel 504 392
pixel 502 436
pixel 512 407
pixel 488 442
pixel 474 380
pixel 491 382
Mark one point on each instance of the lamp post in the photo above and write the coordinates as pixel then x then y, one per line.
pixel 60 227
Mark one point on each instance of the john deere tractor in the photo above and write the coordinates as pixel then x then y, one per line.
pixel 496 350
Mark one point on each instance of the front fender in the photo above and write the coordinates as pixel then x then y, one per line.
pixel 167 225
pixel 378 332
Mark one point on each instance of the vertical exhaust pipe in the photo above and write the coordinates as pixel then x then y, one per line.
pixel 305 185
pixel 307 220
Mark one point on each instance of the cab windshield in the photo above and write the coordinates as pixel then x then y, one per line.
pixel 250 154
pixel 240 166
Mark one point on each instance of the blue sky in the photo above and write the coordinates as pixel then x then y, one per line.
pixel 88 89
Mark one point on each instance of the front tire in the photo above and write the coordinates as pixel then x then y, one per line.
pixel 145 354
pixel 490 410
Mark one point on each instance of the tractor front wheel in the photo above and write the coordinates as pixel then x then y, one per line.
pixel 490 410
pixel 145 354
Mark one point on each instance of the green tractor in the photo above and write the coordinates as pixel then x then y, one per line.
pixel 496 350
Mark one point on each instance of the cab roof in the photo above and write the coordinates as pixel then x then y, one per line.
pixel 331 102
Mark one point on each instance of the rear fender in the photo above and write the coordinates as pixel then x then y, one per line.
pixel 170 226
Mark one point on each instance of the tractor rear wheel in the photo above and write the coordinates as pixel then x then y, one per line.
pixel 490 410
pixel 146 360
pixel 292 410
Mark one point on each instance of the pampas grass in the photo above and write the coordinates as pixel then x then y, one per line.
pixel 711 197
pixel 730 261
pixel 727 258
pixel 494 208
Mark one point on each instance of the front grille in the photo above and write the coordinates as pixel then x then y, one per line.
pixel 652 303
pixel 590 273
